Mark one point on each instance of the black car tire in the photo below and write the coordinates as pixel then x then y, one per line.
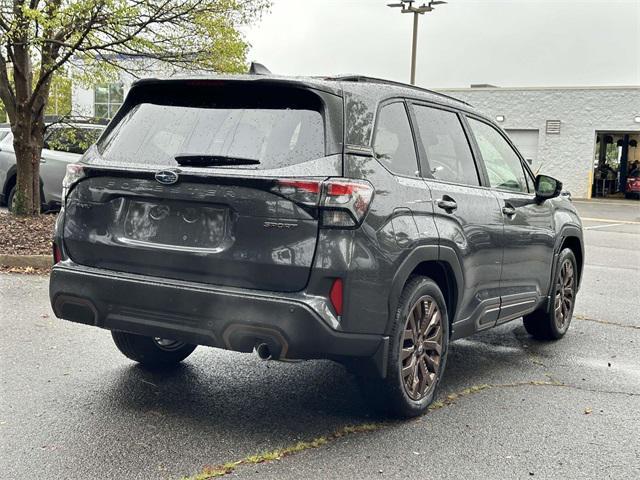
pixel 10 197
pixel 544 324
pixel 12 194
pixel 390 396
pixel 149 351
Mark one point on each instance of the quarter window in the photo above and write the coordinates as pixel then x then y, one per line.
pixel 393 142
pixel 445 143
pixel 503 164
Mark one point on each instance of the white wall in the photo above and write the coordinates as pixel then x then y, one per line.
pixel 581 110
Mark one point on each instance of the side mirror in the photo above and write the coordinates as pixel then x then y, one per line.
pixel 547 187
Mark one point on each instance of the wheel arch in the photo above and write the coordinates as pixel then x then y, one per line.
pixel 575 245
pixel 441 265
pixel 571 237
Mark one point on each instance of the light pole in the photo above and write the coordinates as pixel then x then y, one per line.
pixel 407 7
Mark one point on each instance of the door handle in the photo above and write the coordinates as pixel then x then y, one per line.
pixel 508 210
pixel 447 203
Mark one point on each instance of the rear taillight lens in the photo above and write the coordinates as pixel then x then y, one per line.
pixel 306 192
pixel 75 172
pixel 345 202
pixel 342 203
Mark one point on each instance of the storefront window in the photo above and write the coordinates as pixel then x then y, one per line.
pixel 107 99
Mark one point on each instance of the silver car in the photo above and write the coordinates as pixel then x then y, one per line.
pixel 64 144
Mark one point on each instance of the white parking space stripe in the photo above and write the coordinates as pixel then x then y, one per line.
pixel 603 226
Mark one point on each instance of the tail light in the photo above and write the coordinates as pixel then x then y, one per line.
pixel 75 172
pixel 345 203
pixel 342 203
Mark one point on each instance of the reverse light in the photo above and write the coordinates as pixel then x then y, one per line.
pixel 75 172
pixel 336 295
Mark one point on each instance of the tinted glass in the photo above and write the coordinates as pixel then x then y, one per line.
pixel 446 146
pixel 155 134
pixel 393 142
pixel 501 161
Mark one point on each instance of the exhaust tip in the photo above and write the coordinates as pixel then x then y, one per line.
pixel 263 351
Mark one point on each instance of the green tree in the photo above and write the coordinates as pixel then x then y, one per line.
pixel 39 38
pixel 59 102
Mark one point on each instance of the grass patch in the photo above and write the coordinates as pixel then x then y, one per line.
pixel 280 453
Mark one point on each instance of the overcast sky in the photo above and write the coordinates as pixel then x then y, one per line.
pixel 502 42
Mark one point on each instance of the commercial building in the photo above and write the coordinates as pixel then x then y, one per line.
pixel 585 136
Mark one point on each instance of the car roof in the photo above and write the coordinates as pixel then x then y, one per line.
pixel 378 89
pixel 362 96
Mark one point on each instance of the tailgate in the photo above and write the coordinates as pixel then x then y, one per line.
pixel 224 231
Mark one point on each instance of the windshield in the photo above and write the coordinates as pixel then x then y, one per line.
pixel 153 134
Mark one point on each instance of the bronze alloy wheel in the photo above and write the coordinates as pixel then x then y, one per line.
pixel 421 348
pixel 565 294
pixel 168 345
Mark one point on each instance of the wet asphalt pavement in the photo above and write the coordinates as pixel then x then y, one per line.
pixel 72 407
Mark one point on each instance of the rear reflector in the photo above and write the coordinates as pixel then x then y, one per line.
pixel 57 254
pixel 336 295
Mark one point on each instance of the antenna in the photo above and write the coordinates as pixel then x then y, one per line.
pixel 258 69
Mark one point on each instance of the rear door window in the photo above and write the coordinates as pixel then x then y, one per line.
pixel 446 146
pixel 503 165
pixel 393 140
pixel 277 131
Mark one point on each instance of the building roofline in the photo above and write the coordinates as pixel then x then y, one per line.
pixel 498 89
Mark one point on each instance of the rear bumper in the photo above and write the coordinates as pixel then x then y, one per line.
pixel 234 319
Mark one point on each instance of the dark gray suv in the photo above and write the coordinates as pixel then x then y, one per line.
pixel 347 218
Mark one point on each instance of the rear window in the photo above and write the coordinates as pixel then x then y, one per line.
pixel 278 127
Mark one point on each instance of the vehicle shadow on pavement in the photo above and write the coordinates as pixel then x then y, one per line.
pixel 217 388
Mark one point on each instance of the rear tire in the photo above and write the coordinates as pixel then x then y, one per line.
pixel 417 352
pixel 152 352
pixel 12 195
pixel 553 322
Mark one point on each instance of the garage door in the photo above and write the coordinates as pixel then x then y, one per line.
pixel 527 143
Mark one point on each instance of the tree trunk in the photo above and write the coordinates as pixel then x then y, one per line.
pixel 27 144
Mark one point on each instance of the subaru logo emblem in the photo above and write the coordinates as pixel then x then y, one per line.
pixel 167 177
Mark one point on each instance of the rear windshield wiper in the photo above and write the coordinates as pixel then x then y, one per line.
pixel 204 160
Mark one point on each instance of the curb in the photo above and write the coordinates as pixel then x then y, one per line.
pixel 22 261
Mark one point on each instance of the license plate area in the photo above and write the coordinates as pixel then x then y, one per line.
pixel 175 225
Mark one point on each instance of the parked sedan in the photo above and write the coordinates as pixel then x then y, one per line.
pixel 64 144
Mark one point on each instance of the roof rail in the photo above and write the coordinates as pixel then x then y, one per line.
pixel 365 79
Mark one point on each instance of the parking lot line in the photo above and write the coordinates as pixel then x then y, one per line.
pixel 603 226
pixel 597 202
pixel 610 220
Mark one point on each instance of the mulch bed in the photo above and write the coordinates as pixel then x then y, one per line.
pixel 26 235
pixel 25 270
